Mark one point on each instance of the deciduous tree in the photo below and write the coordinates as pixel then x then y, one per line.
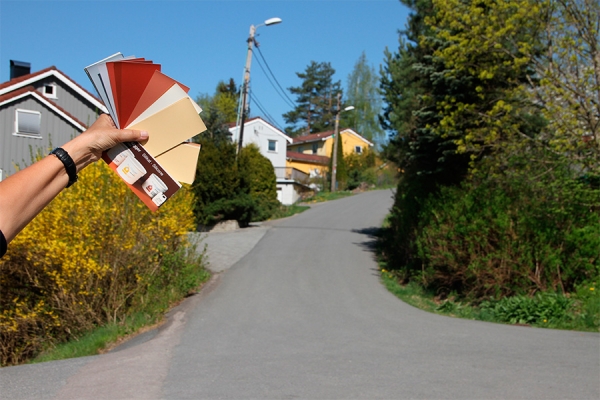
pixel 363 93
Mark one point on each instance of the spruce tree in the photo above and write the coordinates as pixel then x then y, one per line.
pixel 315 100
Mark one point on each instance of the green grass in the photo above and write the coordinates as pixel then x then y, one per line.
pixel 189 279
pixel 288 211
pixel 100 338
pixel 327 196
pixel 579 310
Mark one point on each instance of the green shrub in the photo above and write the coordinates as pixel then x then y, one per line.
pixel 510 237
pixel 244 190
pixel 543 308
pixel 257 180
pixel 95 255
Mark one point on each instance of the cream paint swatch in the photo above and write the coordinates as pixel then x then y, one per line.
pixel 170 126
pixel 181 161
pixel 171 96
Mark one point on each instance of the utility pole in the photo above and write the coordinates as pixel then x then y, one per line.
pixel 335 141
pixel 244 109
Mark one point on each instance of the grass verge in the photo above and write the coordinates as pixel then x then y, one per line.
pixel 288 211
pixel 579 310
pixel 190 277
pixel 327 196
pixel 98 339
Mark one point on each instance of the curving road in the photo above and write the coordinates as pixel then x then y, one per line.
pixel 303 315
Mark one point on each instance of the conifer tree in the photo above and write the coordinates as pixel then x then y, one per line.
pixel 315 100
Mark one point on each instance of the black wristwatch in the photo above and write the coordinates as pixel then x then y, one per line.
pixel 68 162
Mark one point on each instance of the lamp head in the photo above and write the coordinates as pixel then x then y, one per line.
pixel 273 21
pixel 349 108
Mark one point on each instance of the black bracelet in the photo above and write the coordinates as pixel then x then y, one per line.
pixel 68 162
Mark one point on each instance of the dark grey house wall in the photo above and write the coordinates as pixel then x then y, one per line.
pixel 68 99
pixel 55 131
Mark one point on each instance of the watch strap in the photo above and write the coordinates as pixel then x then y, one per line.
pixel 68 162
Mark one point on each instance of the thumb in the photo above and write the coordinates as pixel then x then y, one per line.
pixel 131 135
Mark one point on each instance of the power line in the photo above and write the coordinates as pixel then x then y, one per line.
pixel 268 116
pixel 285 97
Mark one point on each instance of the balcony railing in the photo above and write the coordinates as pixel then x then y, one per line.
pixel 290 173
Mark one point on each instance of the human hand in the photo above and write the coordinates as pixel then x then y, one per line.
pixel 102 135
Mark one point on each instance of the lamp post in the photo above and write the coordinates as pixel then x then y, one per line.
pixel 335 141
pixel 244 108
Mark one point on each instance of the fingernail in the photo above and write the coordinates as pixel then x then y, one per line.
pixel 143 135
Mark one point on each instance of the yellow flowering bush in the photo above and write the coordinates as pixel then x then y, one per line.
pixel 91 257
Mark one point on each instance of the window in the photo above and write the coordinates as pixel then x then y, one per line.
pixel 358 149
pixel 272 145
pixel 49 91
pixel 315 147
pixel 300 149
pixel 28 122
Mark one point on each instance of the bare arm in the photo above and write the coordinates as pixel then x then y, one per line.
pixel 24 194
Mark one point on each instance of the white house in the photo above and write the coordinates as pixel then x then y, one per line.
pixel 270 140
pixel 273 144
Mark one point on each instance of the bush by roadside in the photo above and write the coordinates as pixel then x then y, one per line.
pixel 95 255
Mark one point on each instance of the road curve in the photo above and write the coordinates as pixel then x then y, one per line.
pixel 303 315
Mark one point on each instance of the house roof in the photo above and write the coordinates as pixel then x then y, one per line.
pixel 27 80
pixel 232 126
pixel 309 158
pixel 30 91
pixel 321 136
pixel 314 137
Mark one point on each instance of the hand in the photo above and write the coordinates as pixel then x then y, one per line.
pixel 102 135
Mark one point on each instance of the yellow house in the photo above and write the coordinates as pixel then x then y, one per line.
pixel 310 154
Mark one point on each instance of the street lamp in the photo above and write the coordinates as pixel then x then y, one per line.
pixel 335 140
pixel 244 109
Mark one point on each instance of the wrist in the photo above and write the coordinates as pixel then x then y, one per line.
pixel 79 153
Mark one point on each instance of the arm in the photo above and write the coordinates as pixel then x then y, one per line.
pixel 24 194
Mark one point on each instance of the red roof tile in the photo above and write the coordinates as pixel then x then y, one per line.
pixel 40 72
pixel 310 158
pixel 313 137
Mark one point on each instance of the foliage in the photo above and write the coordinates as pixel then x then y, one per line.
pixel 315 98
pixel 257 179
pixel 473 81
pixel 224 101
pixel 320 197
pixel 579 311
pixel 363 93
pixel 244 190
pixel 546 52
pixel 412 84
pixel 361 169
pixel 511 236
pixel 217 181
pixel 541 308
pixel 287 211
pixel 95 255
pixel 341 172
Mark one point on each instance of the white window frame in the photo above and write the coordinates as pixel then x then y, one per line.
pixel 27 134
pixel 50 95
pixel 358 149
pixel 269 141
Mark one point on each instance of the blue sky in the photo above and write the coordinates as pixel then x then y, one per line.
pixel 201 42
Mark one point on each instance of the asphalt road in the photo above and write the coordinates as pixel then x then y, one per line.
pixel 303 315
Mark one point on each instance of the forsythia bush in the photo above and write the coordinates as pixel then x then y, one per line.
pixel 95 254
